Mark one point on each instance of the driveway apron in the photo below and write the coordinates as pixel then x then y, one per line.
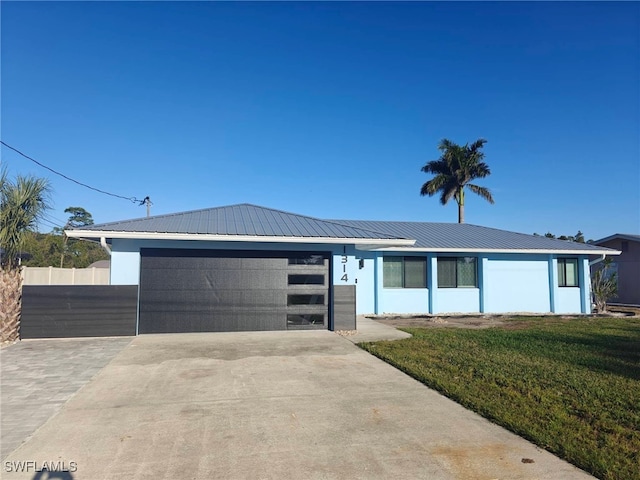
pixel 270 405
pixel 39 376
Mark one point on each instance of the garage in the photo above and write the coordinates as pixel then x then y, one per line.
pixel 230 290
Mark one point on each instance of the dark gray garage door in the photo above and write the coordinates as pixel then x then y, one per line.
pixel 223 291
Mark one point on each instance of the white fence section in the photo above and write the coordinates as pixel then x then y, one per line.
pixel 65 276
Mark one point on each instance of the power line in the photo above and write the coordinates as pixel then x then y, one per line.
pixel 46 216
pixel 131 199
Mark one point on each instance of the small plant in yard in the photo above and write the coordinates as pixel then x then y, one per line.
pixel 572 386
pixel 604 286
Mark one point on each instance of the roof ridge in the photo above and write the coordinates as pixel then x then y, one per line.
pixel 365 232
pixel 338 222
pixel 318 219
pixel 472 225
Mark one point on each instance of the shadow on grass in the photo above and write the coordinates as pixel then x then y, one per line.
pixel 616 351
pixel 614 355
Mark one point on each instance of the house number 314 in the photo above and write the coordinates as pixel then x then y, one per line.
pixel 344 261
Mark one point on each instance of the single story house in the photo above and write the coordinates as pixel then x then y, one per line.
pixel 245 267
pixel 627 266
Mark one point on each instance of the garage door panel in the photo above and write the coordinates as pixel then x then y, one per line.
pixel 219 322
pixel 162 300
pixel 197 291
pixel 215 279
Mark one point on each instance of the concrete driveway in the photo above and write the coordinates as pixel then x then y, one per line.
pixel 270 405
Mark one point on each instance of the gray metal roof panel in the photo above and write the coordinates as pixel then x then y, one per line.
pixel 467 236
pixel 623 236
pixel 243 219
pixel 252 220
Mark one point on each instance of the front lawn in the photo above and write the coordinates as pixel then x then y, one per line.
pixel 570 386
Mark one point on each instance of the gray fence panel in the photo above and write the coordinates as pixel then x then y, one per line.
pixel 78 311
pixel 344 307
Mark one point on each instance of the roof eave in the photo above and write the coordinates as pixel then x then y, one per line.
pixel 377 242
pixel 598 251
pixel 617 236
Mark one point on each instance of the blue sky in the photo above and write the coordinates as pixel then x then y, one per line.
pixel 329 109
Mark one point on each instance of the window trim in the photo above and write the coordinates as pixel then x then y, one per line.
pixel 403 277
pixel 563 261
pixel 457 283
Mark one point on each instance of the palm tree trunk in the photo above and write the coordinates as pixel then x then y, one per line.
pixel 460 198
pixel 10 304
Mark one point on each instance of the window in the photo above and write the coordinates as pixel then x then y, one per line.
pixel 404 272
pixel 457 272
pixel 295 319
pixel 307 260
pixel 568 272
pixel 305 300
pixel 306 279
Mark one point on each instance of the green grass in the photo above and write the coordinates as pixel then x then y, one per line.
pixel 570 386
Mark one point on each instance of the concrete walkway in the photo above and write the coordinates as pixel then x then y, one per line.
pixel 37 377
pixel 371 331
pixel 271 405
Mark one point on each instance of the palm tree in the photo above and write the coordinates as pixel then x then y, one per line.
pixel 22 203
pixel 453 171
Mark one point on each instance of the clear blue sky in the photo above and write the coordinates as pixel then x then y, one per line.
pixel 329 109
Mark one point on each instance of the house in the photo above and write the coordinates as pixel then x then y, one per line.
pixel 627 265
pixel 245 267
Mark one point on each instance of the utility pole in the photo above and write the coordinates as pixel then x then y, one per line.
pixel 147 202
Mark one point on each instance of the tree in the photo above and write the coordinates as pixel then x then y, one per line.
pixel 604 285
pixel 79 218
pixel 578 237
pixel 457 166
pixel 22 203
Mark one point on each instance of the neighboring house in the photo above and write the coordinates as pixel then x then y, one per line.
pixel 101 264
pixel 245 267
pixel 627 265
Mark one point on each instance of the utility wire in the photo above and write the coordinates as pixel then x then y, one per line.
pixel 46 216
pixel 131 199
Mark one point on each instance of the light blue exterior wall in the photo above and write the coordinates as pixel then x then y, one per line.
pixel 125 267
pixel 506 282
pixel 400 300
pixel 566 299
pixel 572 299
pixel 458 300
pixel 516 283
pixel 366 282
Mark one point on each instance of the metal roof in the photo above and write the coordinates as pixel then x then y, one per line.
pixel 252 223
pixel 240 220
pixel 456 236
pixel 623 236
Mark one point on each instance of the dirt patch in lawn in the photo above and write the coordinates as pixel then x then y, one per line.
pixel 513 321
pixel 462 321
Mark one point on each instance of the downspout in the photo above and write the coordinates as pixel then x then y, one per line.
pixel 103 243
pixel 598 260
